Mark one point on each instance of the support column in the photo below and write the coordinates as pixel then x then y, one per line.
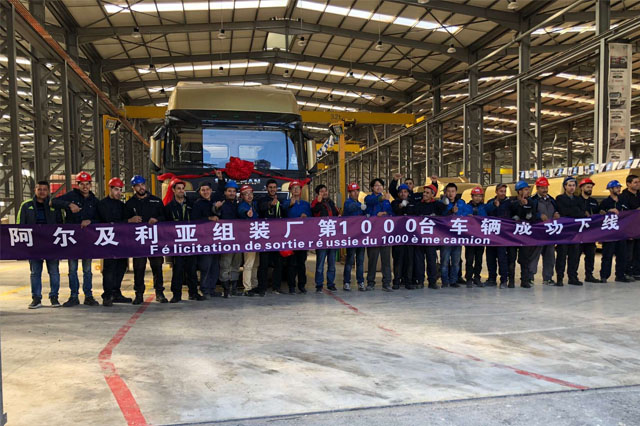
pixel 39 94
pixel 528 98
pixel 472 127
pixel 16 158
pixel 433 136
pixel 601 116
pixel 99 164
pixel 569 144
pixel 66 128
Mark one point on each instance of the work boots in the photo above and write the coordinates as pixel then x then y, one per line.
pixel 226 289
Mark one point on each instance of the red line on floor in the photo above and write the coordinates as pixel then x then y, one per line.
pixel 471 357
pixel 124 397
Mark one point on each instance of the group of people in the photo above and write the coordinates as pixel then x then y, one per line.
pixel 411 264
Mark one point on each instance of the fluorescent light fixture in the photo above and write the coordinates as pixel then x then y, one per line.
pixel 305 88
pixel 377 17
pixel 568 98
pixel 492 130
pixel 319 129
pixel 171 68
pixel 21 61
pixel 327 71
pixel 326 106
pixel 151 7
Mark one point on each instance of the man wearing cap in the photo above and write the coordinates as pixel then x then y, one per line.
pixel 111 210
pixel 184 267
pixel 547 210
pixel 323 206
pixel 270 207
pixel 144 208
pixel 569 205
pixel 403 254
pixel 450 255
pixel 499 258
pixel 353 207
pixel 428 206
pixel 296 263
pixel 80 206
pixel 613 204
pixel 378 205
pixel 229 262
pixel 590 207
pixel 473 254
pixel 523 209
pixel 414 197
pixel 248 210
pixel 631 197
pixel 208 264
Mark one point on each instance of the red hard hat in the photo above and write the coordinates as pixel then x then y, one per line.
pixel 586 181
pixel 295 183
pixel 286 253
pixel 246 187
pixel 477 191
pixel 432 188
pixel 83 177
pixel 353 186
pixel 117 182
pixel 542 181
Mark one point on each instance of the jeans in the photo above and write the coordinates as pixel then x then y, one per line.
pixel 330 256
pixel 74 284
pixel 113 271
pixel 209 266
pixel 449 274
pixel 373 253
pixel 139 268
pixel 36 277
pixel 354 254
pixel 419 255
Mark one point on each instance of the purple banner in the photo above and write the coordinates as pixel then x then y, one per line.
pixel 102 241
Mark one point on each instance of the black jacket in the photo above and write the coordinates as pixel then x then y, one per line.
pixel 147 207
pixel 228 210
pixel 88 205
pixel 433 208
pixel 609 203
pixel 570 206
pixel 503 210
pixel 178 212
pixel 111 211
pixel 526 213
pixel 324 208
pixel 416 197
pixel 630 200
pixel 27 213
pixel 267 211
pixel 400 210
pixel 589 205
pixel 202 209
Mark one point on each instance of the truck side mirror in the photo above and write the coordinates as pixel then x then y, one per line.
pixel 156 145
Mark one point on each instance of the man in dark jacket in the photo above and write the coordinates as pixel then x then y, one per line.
pixel 378 205
pixel 473 254
pixel 184 267
pixel 270 207
pixel 415 197
pixel 569 205
pixel 38 211
pixel 500 257
pixel 145 208
pixel 427 207
pixel 208 264
pixel 590 207
pixel 613 205
pixel 229 262
pixel 631 198
pixel 81 207
pixel 323 206
pixel 111 210
pixel 523 209
pixel 353 207
pixel 547 210
pixel 403 254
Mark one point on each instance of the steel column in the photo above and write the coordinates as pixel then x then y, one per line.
pixel 601 115
pixel 16 157
pixel 66 128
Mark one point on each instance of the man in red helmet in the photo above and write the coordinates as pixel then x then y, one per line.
pixel 80 206
pixel 548 210
pixel 591 207
pixel 111 210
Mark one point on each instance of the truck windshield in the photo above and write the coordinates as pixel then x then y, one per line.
pixel 267 148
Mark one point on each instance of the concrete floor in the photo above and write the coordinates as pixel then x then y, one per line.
pixel 455 356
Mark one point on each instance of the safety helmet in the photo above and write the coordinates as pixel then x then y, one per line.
pixel 403 186
pixel 353 187
pixel 432 188
pixel 83 177
pixel 586 181
pixel 521 185
pixel 613 184
pixel 295 183
pixel 137 179
pixel 117 182
pixel 542 181
pixel 477 191
pixel 231 184
pixel 246 188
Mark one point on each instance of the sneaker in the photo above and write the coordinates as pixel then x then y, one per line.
pixel 549 282
pixel 630 278
pixel 107 301
pixel 36 303
pixel 274 291
pixel 54 302
pixel 361 287
pixel 90 301
pixel 73 301
pixel 160 297
pixel 318 290
pixel 121 299
pixel 386 287
pixel 332 288
pixel 434 286
pixel 138 300
pixel 591 279
pixel 525 284
pixel 575 282
pixel 175 299
pixel 302 290
pixel 624 279
pixel 371 287
pixel 490 283
pixel 197 296
pixel 346 287
pixel 395 287
pixel 292 292
pixel 559 283
pixel 461 281
pixel 454 285
pixel 503 285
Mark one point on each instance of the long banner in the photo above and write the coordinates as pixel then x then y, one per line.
pixel 102 241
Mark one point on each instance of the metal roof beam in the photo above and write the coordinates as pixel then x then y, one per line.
pixel 589 16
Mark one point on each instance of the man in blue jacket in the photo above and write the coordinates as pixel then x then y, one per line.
pixel 81 207
pixel 499 257
pixel 449 254
pixel 38 211
pixel 208 264
pixel 473 254
pixel 378 205
pixel 403 254
pixel 296 263
pixel 353 207
pixel 229 262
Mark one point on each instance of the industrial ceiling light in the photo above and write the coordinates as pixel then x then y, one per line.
pixel 383 99
pixel 151 67
pixel 330 97
pixel 162 91
pixel 423 1
pixel 379 45
pixel 451 49
pixel 136 32
pixel 286 74
pixel 221 34
pixel 221 70
pixel 350 74
pixel 302 41
pixel 513 4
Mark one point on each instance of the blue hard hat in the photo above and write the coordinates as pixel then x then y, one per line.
pixel 521 185
pixel 137 179
pixel 231 184
pixel 403 186
pixel 613 184
pixel 568 179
